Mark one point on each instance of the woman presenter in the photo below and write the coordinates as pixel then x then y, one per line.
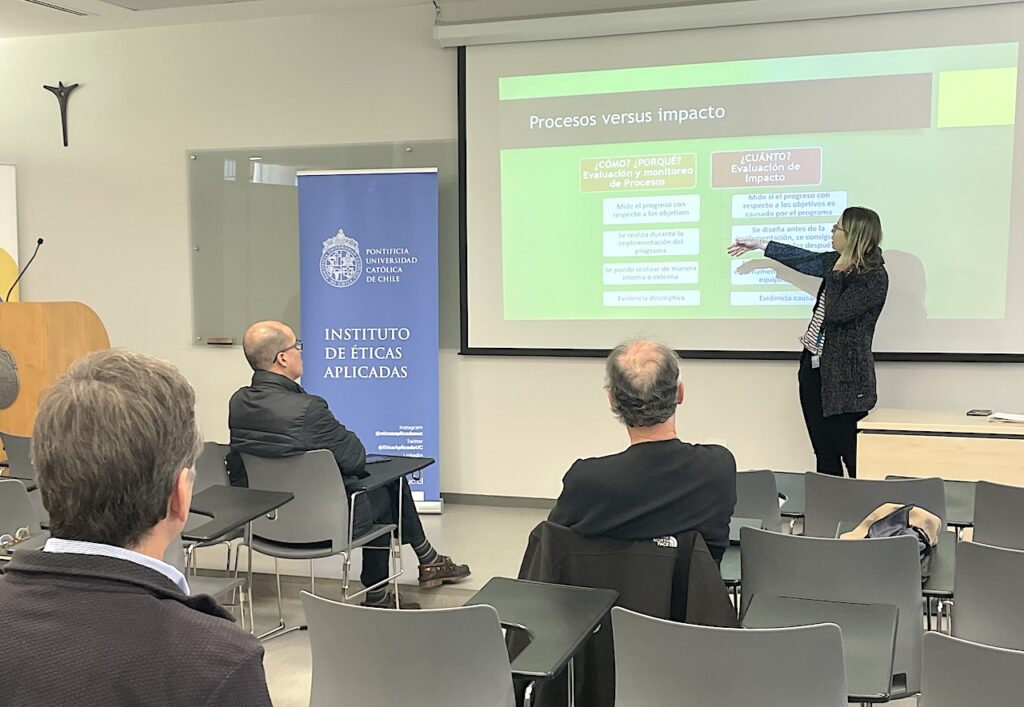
pixel 837 369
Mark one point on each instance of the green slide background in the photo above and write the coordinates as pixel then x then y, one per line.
pixel 943 194
pixel 935 201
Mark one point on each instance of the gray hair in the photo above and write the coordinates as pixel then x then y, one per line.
pixel 263 342
pixel 641 378
pixel 110 438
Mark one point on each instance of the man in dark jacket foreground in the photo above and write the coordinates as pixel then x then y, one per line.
pixel 275 417
pixel 659 485
pixel 97 617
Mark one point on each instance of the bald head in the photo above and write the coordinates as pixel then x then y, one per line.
pixel 263 341
pixel 643 382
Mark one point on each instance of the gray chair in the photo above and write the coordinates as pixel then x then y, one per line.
pixel 957 673
pixel 211 471
pixel 455 657
pixel 316 523
pixel 758 497
pixel 661 663
pixel 222 589
pixel 18 457
pixel 18 518
pixel 986 589
pixel 19 461
pixel 878 571
pixel 998 510
pixel 832 500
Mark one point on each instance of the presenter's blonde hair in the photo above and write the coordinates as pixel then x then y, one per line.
pixel 863 230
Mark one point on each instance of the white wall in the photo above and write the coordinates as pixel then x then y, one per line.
pixel 113 210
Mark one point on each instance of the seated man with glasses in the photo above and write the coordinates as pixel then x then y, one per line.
pixel 97 617
pixel 275 417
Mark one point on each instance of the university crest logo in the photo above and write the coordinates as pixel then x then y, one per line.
pixel 340 264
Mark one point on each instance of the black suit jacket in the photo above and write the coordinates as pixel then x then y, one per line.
pixel 650 490
pixel 853 303
pixel 87 630
pixel 275 417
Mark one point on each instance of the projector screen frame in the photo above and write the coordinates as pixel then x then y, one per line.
pixel 465 349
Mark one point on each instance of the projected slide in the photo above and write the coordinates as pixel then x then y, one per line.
pixel 621 189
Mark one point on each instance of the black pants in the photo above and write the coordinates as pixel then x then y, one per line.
pixel 383 509
pixel 834 438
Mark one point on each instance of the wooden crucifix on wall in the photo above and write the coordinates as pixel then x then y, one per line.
pixel 62 93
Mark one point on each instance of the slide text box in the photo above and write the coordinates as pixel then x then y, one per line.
pixel 807 204
pixel 673 171
pixel 799 166
pixel 655 242
pixel 809 236
pixel 651 273
pixel 770 299
pixel 652 209
pixel 652 298
pixel 760 276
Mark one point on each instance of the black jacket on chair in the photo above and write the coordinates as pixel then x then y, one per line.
pixel 87 630
pixel 275 417
pixel 681 584
pixel 853 303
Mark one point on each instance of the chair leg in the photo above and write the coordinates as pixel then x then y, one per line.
pixel 528 694
pixel 396 562
pixel 281 628
pixel 346 566
pixel 571 681
pixel 277 580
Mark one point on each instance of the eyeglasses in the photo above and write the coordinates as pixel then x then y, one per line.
pixel 837 227
pixel 297 346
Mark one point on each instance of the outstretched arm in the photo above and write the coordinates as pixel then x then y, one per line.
pixel 805 261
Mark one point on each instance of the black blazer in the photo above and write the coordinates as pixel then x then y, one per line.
pixel 853 302
pixel 88 630
pixel 680 584
pixel 275 417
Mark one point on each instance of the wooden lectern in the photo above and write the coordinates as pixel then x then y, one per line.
pixel 44 338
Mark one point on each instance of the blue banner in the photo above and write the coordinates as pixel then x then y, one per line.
pixel 368 270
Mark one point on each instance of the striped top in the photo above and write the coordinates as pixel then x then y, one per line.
pixel 814 338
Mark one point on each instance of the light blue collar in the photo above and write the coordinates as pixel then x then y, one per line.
pixel 79 547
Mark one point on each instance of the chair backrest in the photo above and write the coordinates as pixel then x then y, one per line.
pixel 986 587
pixel 16 509
pixel 998 510
pixel 319 512
pixel 957 673
pixel 210 468
pixel 661 663
pixel 757 496
pixel 877 571
pixel 18 457
pixel 833 499
pixel 455 656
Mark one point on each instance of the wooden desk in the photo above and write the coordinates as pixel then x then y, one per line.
pixel 948 444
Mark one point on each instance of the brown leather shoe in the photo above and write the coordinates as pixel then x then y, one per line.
pixel 442 571
pixel 389 603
